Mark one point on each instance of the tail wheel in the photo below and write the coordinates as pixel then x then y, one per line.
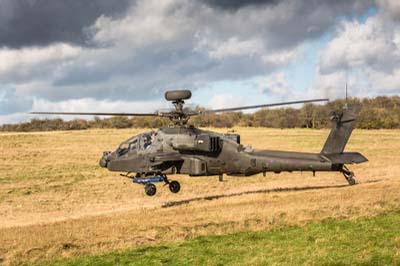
pixel 174 186
pixel 351 181
pixel 349 176
pixel 150 189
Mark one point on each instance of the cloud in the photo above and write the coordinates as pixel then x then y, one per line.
pixel 237 4
pixel 14 118
pixel 232 48
pixel 93 105
pixel 331 85
pixel 39 22
pixel 390 7
pixel 11 102
pixel 174 43
pixel 135 50
pixel 34 62
pixel 275 84
pixel 362 44
pixel 367 52
pixel 225 100
pixel 278 88
pixel 386 83
pixel 78 105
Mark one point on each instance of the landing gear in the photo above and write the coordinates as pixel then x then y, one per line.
pixel 348 175
pixel 150 189
pixel 174 186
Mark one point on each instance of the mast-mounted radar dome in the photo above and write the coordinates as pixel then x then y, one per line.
pixel 178 95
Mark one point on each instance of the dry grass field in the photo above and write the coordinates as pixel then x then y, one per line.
pixel 56 202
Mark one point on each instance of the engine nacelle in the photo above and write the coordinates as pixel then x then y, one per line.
pixel 203 142
pixel 233 137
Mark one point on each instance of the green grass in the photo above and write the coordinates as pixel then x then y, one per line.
pixel 366 241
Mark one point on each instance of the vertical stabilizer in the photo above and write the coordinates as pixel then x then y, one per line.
pixel 342 127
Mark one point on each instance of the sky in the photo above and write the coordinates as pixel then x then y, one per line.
pixel 122 55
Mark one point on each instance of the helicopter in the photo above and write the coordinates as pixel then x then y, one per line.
pixel 149 158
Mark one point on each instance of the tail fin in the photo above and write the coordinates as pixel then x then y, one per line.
pixel 342 126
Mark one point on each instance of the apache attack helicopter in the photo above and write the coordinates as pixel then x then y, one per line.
pixel 184 149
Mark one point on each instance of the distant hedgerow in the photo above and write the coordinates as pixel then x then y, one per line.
pixel 381 112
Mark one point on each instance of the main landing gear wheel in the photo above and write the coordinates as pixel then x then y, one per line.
pixel 174 186
pixel 150 189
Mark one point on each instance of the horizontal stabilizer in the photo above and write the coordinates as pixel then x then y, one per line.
pixel 346 158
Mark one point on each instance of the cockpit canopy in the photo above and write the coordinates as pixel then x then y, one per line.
pixel 139 142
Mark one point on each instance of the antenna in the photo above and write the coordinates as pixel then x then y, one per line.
pixel 346 104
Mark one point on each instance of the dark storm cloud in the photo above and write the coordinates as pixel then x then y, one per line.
pixel 237 4
pixel 153 49
pixel 129 70
pixel 41 22
pixel 308 19
pixel 149 72
pixel 284 24
pixel 144 47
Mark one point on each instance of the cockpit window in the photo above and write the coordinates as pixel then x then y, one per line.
pixel 127 146
pixel 123 148
pixel 147 141
pixel 132 145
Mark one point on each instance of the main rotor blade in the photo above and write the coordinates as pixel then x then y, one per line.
pixel 100 114
pixel 261 106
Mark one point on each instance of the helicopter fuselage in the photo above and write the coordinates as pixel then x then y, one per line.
pixel 195 152
pixel 184 149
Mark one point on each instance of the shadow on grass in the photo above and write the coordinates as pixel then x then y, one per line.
pixel 260 191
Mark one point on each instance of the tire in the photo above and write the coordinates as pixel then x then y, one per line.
pixel 174 186
pixel 150 189
pixel 351 181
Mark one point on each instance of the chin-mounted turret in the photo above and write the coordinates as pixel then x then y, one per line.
pixel 105 159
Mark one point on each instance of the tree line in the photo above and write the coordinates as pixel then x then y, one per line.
pixel 381 112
